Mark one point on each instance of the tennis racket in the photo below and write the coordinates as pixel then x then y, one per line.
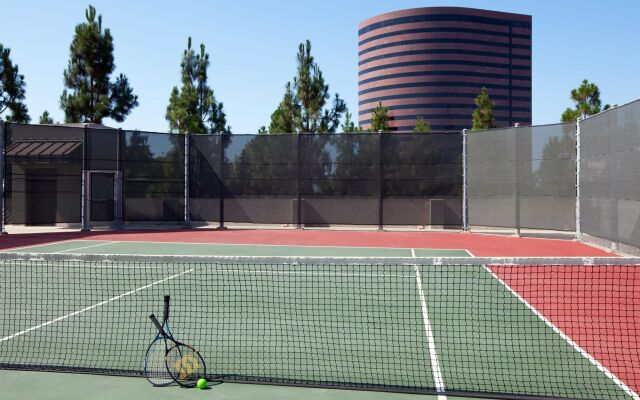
pixel 183 363
pixel 155 367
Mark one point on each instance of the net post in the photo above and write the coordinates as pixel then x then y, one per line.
pixel 465 194
pixel 84 205
pixel 186 212
pixel 516 182
pixel 2 169
pixel 381 182
pixel 578 156
pixel 299 183
pixel 117 217
pixel 221 182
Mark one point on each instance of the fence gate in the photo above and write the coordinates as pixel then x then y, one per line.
pixel 104 205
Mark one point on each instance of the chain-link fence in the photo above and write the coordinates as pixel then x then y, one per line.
pixel 522 179
pixel 153 177
pixel 549 181
pixel 101 177
pixel 326 180
pixel 610 178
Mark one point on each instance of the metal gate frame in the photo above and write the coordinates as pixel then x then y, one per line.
pixel 117 197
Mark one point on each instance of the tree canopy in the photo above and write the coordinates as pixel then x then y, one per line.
pixel 12 89
pixel 348 126
pixel 422 126
pixel 45 118
pixel 483 115
pixel 379 119
pixel 90 95
pixel 587 102
pixel 303 105
pixel 193 108
pixel 288 116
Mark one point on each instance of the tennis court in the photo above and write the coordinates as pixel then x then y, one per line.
pixel 417 320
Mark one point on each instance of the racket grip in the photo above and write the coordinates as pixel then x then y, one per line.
pixel 165 315
pixel 157 324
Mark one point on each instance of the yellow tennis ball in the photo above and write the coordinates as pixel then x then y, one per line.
pixel 202 383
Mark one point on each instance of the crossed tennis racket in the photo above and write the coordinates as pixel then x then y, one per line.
pixel 168 360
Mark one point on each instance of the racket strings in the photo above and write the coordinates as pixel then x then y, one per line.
pixel 185 364
pixel 155 366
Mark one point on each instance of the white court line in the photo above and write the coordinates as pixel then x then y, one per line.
pixel 83 247
pixel 573 344
pixel 29 246
pixel 413 253
pixel 433 354
pixel 53 321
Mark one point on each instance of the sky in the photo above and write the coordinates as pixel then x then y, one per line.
pixel 253 45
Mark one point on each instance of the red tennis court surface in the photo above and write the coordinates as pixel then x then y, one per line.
pixel 480 245
pixel 597 307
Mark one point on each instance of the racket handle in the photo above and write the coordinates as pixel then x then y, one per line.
pixel 157 324
pixel 165 315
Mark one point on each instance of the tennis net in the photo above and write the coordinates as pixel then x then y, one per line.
pixel 500 328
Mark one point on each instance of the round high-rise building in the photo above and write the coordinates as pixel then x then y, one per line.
pixel 432 63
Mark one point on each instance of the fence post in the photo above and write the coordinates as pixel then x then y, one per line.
pixel 578 157
pixel 2 180
pixel 118 181
pixel 516 182
pixel 381 183
pixel 187 213
pixel 299 183
pixel 465 194
pixel 221 181
pixel 84 206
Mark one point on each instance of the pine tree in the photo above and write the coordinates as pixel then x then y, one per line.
pixel 12 89
pixel 380 119
pixel 45 118
pixel 303 105
pixel 287 117
pixel 331 118
pixel 570 115
pixel 422 126
pixel 90 95
pixel 348 125
pixel 193 108
pixel 483 115
pixel 587 102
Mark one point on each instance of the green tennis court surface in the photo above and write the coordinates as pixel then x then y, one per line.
pixel 210 249
pixel 429 326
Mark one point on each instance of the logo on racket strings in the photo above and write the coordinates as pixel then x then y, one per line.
pixel 186 366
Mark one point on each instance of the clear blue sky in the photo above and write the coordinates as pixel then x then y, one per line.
pixel 253 46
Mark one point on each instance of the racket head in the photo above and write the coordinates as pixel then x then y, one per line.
pixel 185 364
pixel 155 365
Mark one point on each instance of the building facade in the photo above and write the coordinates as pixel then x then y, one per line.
pixel 432 62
